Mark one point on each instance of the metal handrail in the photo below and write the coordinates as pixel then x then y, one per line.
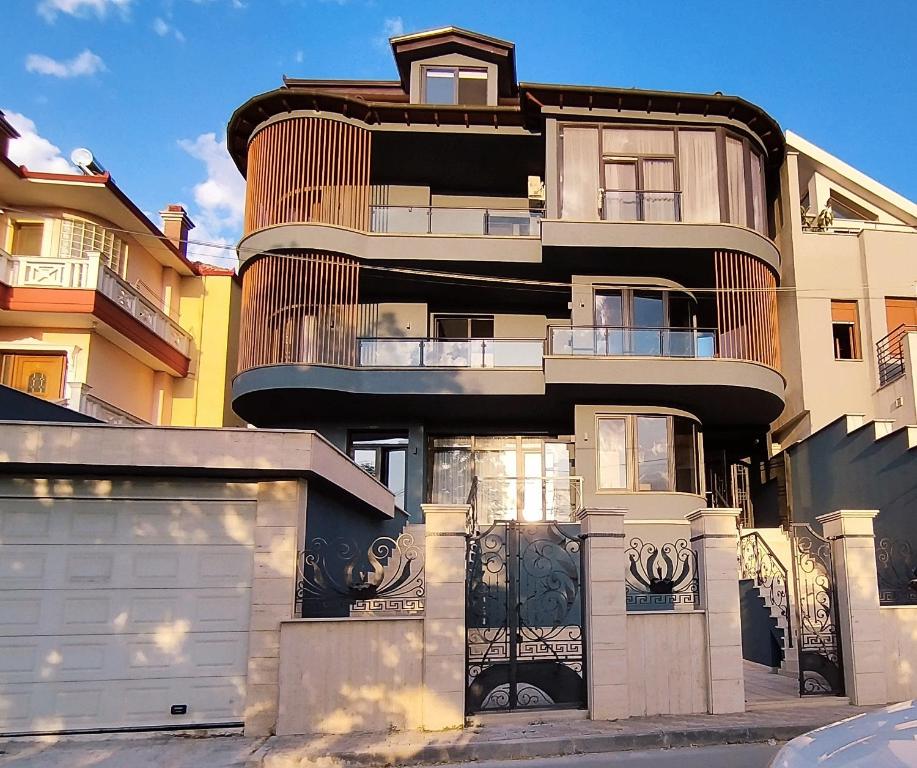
pixel 642 201
pixel 619 341
pixel 479 352
pixel 890 355
pixel 379 221
pixel 761 579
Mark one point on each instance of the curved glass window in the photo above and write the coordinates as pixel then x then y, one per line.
pixel 661 174
pixel 651 452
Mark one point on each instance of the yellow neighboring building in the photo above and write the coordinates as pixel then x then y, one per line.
pixel 101 312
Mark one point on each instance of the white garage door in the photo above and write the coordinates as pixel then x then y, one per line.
pixel 122 612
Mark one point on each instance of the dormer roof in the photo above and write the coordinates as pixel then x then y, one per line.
pixel 438 42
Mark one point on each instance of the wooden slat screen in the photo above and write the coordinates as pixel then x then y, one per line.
pixel 746 307
pixel 308 169
pixel 299 308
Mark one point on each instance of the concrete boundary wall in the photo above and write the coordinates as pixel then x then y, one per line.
pixel 899 632
pixel 357 674
pixel 667 663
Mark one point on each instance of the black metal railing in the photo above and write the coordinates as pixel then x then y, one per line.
pixel 896 566
pixel 621 341
pixel 758 562
pixel 344 576
pixel 661 577
pixel 640 205
pixel 436 220
pixel 890 354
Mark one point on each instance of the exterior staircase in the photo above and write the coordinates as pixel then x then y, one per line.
pixel 775 597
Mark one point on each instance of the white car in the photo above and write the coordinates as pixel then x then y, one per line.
pixel 886 738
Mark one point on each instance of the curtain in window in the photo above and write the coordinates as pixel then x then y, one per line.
pixel 757 193
pixel 699 180
pixel 735 176
pixel 612 454
pixel 451 475
pixel 620 192
pixel 638 141
pixel 659 185
pixel 580 173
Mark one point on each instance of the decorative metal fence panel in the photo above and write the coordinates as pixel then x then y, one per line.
pixel 896 565
pixel 524 618
pixel 340 577
pixel 821 670
pixel 661 577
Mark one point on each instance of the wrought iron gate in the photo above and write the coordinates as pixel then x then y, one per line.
pixel 821 669
pixel 524 618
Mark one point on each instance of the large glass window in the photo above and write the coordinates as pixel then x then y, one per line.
pixel 653 454
pixel 464 326
pixel 612 459
pixel 647 453
pixel 516 478
pixel 646 174
pixel 383 456
pixel 455 85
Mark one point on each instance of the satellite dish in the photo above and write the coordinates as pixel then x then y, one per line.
pixel 82 158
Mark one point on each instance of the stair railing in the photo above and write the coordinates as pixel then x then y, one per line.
pixel 757 561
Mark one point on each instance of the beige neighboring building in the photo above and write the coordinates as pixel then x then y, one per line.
pixel 102 312
pixel 848 300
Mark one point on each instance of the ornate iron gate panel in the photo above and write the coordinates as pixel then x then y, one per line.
pixel 524 626
pixel 821 669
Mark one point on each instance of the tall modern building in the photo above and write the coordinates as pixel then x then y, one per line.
pixel 541 297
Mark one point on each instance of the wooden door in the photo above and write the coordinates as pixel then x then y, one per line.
pixel 39 375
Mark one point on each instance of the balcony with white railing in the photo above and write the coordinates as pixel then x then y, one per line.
pixel 91 273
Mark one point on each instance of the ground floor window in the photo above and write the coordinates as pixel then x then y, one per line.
pixel 647 453
pixel 510 477
pixel 384 456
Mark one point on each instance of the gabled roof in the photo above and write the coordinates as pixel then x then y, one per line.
pixel 437 42
pixel 869 189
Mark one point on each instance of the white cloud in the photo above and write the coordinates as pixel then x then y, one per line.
pixel 162 28
pixel 298 57
pixel 219 199
pixel 33 150
pixel 84 64
pixel 391 27
pixel 49 9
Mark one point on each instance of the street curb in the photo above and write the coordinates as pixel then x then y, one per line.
pixel 545 747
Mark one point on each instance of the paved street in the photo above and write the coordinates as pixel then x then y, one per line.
pixel 728 756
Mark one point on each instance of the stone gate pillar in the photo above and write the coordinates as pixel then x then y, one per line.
pixel 853 550
pixel 605 610
pixel 444 617
pixel 714 536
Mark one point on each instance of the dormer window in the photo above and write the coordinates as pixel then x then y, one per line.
pixel 455 85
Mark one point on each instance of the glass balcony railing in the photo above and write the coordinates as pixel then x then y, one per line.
pixel 606 341
pixel 640 205
pixel 527 499
pixel 451 353
pixel 430 220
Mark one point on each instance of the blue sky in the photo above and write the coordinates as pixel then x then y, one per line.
pixel 149 85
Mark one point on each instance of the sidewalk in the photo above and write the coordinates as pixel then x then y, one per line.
pixel 485 742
